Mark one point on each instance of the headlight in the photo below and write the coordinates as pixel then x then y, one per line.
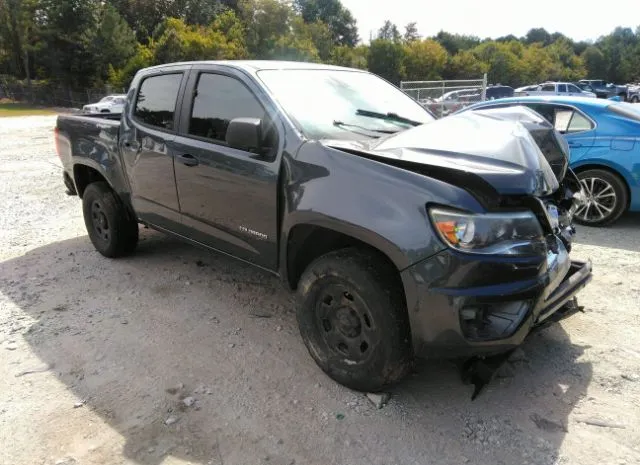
pixel 516 233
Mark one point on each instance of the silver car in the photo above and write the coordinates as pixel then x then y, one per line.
pixel 563 89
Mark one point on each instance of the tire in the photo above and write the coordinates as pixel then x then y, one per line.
pixel 353 319
pixel 112 230
pixel 635 99
pixel 607 198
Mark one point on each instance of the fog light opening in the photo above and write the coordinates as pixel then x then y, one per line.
pixel 491 321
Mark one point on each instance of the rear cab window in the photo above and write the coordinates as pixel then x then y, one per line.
pixel 156 101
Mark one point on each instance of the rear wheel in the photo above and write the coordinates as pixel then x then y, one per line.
pixel 112 230
pixel 607 198
pixel 353 319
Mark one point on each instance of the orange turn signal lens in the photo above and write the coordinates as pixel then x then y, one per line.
pixel 448 229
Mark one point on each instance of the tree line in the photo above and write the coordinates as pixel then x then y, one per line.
pixel 88 43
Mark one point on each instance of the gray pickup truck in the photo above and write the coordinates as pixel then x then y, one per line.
pixel 403 236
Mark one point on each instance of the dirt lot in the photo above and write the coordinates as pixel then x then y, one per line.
pixel 96 357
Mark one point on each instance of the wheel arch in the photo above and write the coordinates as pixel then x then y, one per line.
pixel 307 241
pixel 84 174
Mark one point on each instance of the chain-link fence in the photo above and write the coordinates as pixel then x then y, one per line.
pixel 445 97
pixel 53 95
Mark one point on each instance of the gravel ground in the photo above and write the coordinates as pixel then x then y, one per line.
pixel 176 356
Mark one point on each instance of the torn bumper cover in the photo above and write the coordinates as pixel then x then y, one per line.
pixel 461 306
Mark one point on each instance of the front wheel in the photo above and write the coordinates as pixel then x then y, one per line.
pixel 635 99
pixel 353 319
pixel 607 198
pixel 112 230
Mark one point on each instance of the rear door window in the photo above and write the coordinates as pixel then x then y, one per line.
pixel 156 101
pixel 562 88
pixel 564 119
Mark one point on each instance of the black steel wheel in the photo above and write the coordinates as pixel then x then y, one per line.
pixel 606 198
pixel 112 230
pixel 353 319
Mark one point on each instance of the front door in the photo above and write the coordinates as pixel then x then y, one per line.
pixel 228 197
pixel 146 144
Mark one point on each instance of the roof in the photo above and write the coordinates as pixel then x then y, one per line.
pixel 594 102
pixel 259 65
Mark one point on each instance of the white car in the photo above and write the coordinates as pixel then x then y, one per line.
pixel 565 89
pixel 108 104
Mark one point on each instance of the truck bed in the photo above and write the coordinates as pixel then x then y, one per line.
pixel 91 140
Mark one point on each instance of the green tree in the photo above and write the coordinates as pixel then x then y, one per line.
pixel 68 28
pixel 456 42
pixel 539 35
pixel 276 31
pixel 113 44
pixel 338 19
pixel 351 57
pixel 386 59
pixel 424 60
pixel 411 32
pixel 595 62
pixel 389 31
pixel 502 63
pixel 464 65
pixel 18 34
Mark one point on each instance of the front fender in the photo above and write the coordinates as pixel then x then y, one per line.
pixel 381 205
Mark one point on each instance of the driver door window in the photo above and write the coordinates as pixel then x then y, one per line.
pixel 219 99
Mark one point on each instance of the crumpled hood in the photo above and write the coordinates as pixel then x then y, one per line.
pixel 497 147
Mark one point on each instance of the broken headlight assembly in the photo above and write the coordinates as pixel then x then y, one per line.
pixel 512 233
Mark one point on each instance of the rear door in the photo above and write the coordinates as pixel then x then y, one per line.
pixel 574 91
pixel 228 197
pixel 146 144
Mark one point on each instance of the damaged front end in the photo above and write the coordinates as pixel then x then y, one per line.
pixel 506 268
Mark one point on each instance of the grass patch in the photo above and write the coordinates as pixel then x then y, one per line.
pixel 8 108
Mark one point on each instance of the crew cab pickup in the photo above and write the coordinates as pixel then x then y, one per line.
pixel 403 236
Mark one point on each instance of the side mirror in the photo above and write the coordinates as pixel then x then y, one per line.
pixel 245 134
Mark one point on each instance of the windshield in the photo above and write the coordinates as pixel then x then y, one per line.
pixel 317 99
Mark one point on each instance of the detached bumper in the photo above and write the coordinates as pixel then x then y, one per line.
pixel 462 306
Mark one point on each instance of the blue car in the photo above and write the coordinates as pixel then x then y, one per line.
pixel 604 140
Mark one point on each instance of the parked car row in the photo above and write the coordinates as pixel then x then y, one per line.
pixel 555 88
pixel 454 100
pixel 591 88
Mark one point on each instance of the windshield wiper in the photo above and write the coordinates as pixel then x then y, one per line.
pixel 342 124
pixel 387 117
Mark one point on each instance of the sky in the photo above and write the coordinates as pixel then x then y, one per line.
pixel 578 20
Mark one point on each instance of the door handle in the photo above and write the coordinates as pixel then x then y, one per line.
pixel 188 160
pixel 575 144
